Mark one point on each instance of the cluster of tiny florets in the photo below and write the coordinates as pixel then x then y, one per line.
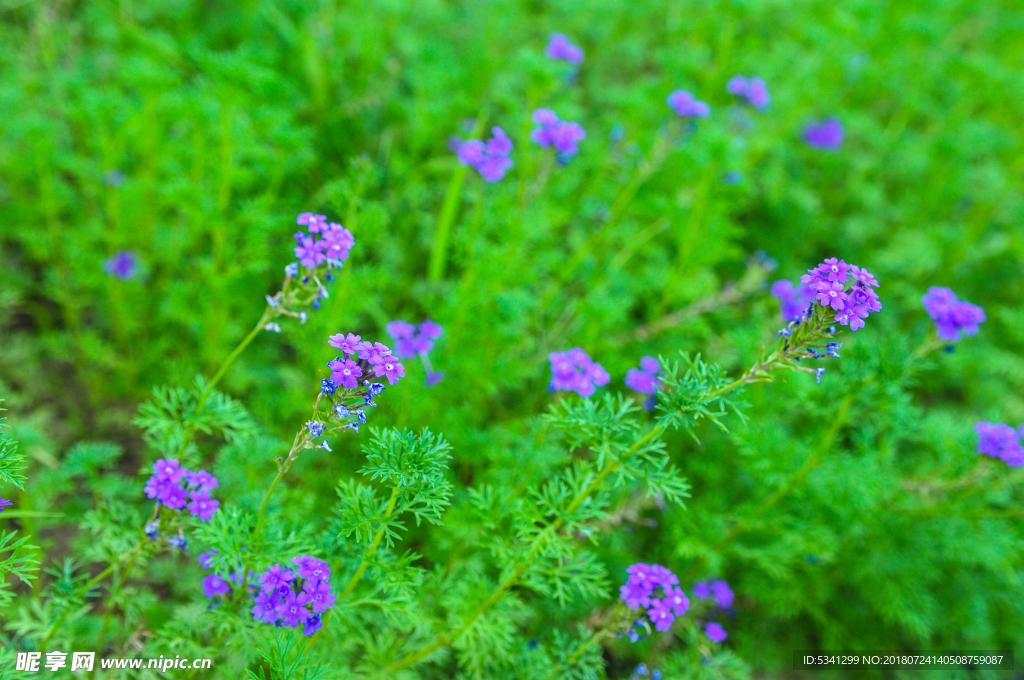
pixel 851 305
pixel 952 317
pixel 793 300
pixel 214 585
pixel 645 379
pixel 290 597
pixel 721 594
pixel 563 135
pixel 175 486
pixel 325 241
pixel 687 106
pixel 642 584
pixel 490 159
pixel 348 389
pixel 575 371
pixel 1002 441
pixel 417 341
pixel 753 89
pixel 560 48
pixel 827 134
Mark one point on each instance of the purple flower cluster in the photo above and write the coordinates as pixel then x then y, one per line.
pixel 688 106
pixel 753 89
pixel 643 581
pixel 575 371
pixel 373 357
pixel 174 486
pixel 999 440
pixel 417 341
pixel 793 300
pixel 851 306
pixel 559 47
pixel 827 134
pixel 4 503
pixel 560 134
pixel 121 264
pixel 645 378
pixel 491 160
pixel 290 597
pixel 215 585
pixel 951 316
pixel 325 241
pixel 718 590
pixel 715 632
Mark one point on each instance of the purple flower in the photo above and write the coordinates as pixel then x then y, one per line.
pixel 206 559
pixel 173 496
pixel 309 252
pixel 348 344
pixel 559 47
pixel 367 350
pixel 851 305
pixel 202 479
pixel 202 506
pixel 562 135
pixel 400 329
pixel 214 585
pixel 644 379
pixel 315 223
pixel 434 377
pixel 4 503
pixel 388 366
pixel 431 330
pixel 826 134
pixel 263 609
pixel 121 264
pixel 999 440
pixel 675 597
pixel 575 371
pixel 311 568
pixel 320 595
pixel 291 609
pixel 688 106
pixel 345 373
pixel 337 241
pixel 660 614
pixel 702 590
pixel 491 160
pixel 793 301
pixel 274 577
pixel 755 90
pixel 722 593
pixel 951 316
pixel 168 469
pixel 831 295
pixel 313 624
pixel 715 632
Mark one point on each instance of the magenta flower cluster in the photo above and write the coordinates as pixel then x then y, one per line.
pixel 325 241
pixel 560 48
pixel 175 486
pixel 952 317
pixel 851 305
pixel 688 106
pixel 575 371
pixel 491 160
pixel 290 597
pixel 361 358
pixel 641 586
pixel 999 440
pixel 417 341
pixel 753 89
pixel 793 300
pixel 564 136
pixel 826 134
pixel 644 379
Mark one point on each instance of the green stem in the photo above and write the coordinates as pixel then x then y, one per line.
pixel 269 314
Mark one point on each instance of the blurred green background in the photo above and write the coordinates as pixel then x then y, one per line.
pixel 192 134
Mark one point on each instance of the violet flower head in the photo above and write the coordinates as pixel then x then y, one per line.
pixel 169 469
pixel 346 343
pixel 389 367
pixel 715 632
pixel 754 90
pixel 122 264
pixel 793 300
pixel 206 559
pixel 999 440
pixel 560 48
pixel 286 597
pixel 4 503
pixel 431 329
pixel 642 584
pixel 827 134
pixel 346 373
pixel 491 160
pixel 214 585
pixel 687 106
pixel 575 371
pixel 314 223
pixel 953 318
pixel 400 330
pixel 202 506
pixel 722 593
pixel 553 132
pixel 263 609
pixel 645 378
pixel 702 590
pixel 850 305
pixel 274 577
pixel 202 479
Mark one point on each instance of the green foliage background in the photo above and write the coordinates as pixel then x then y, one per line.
pixel 228 119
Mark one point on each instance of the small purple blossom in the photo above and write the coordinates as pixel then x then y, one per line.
pixel 309 252
pixel 575 371
pixel 291 610
pixel 346 373
pixel 827 134
pixel 952 317
pixel 753 89
pixel 661 616
pixel 793 300
pixel 168 469
pixel 312 625
pixel 214 585
pixel 287 596
pixel 202 479
pixel 434 377
pixel 122 264
pixel 274 577
pixel 173 497
pixel 348 344
pixel 400 329
pixel 715 632
pixel 640 587
pixel 702 590
pixel 4 503
pixel 491 160
pixel 431 329
pixel 388 366
pixel 687 106
pixel 850 305
pixel 202 506
pixel 263 609
pixel 999 440
pixel 645 378
pixel 553 132
pixel 722 593
pixel 315 223
pixel 206 559
pixel 559 47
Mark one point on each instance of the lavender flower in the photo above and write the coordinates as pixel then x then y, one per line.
pixel 286 597
pixel 715 632
pixel 560 134
pixel 121 264
pixel 722 593
pixel 793 300
pixel 559 47
pixel 687 106
pixel 491 160
pixel 641 586
pixel 206 559
pixel 826 134
pixel 4 503
pixel 165 486
pixel 851 306
pixel 315 223
pixel 416 341
pixel 702 590
pixel 644 379
pixel 389 367
pixel 999 440
pixel 951 316
pixel 202 479
pixel 274 577
pixel 202 506
pixel 214 585
pixel 345 373
pixel 575 371
pixel 753 89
